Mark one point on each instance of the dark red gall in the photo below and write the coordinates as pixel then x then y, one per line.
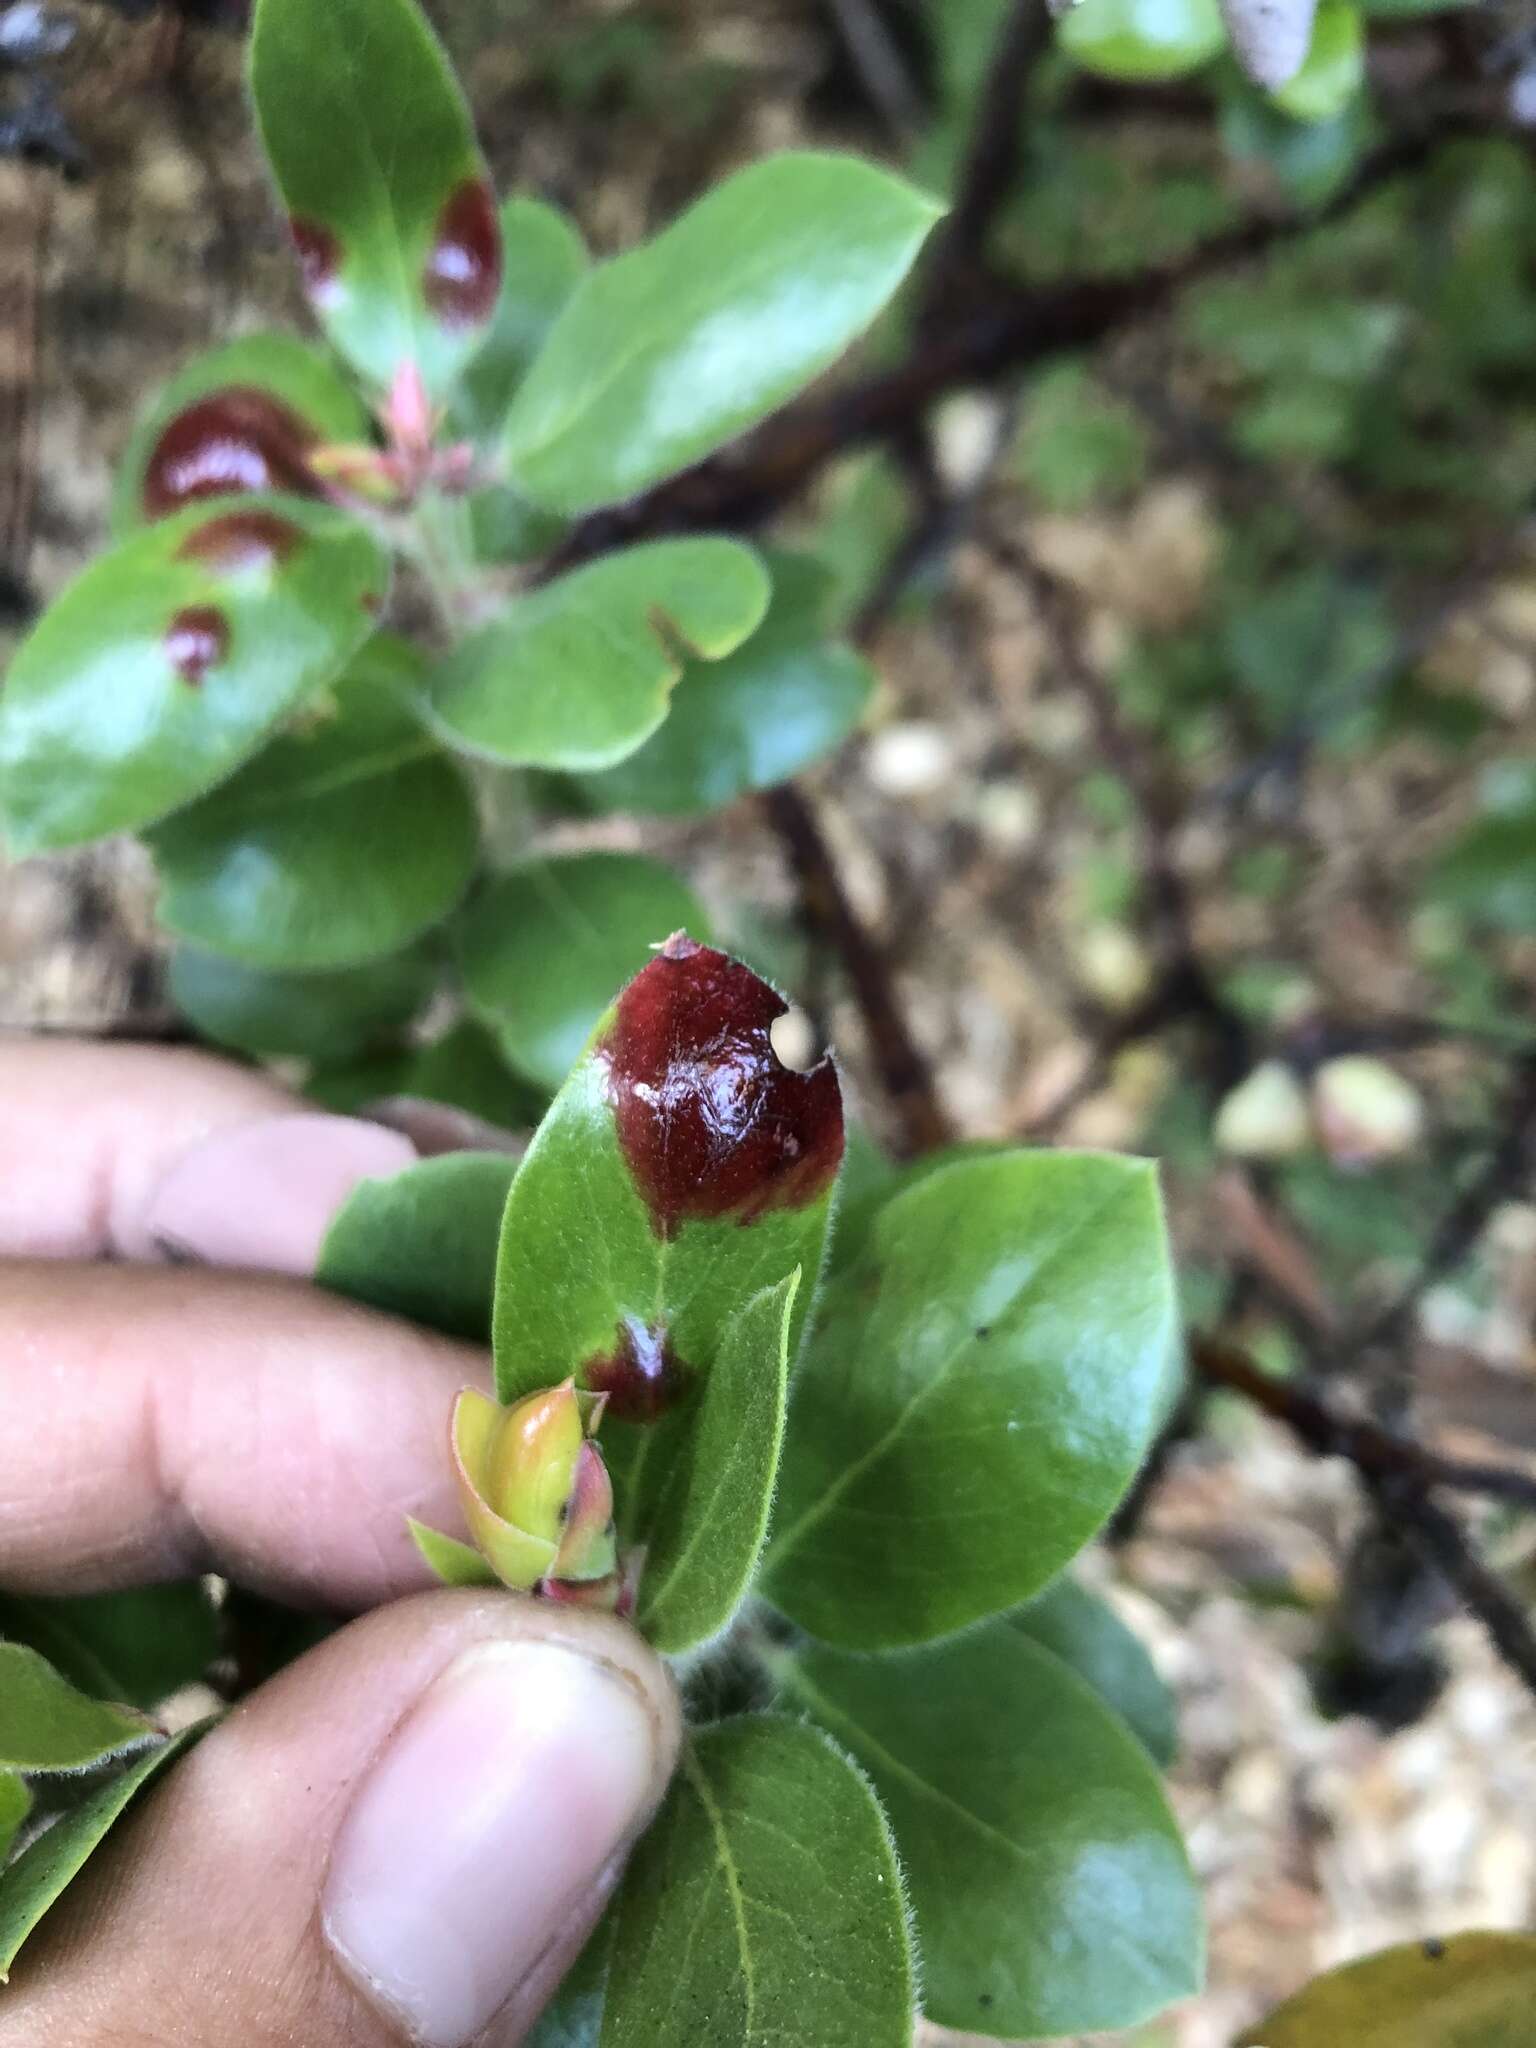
pixel 237 439
pixel 196 638
pixel 711 1122
pixel 463 269
pixel 257 539
pixel 642 1375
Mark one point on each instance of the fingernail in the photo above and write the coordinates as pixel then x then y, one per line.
pixel 264 1194
pixel 490 1816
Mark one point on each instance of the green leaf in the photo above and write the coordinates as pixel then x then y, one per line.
pixel 712 1514
pixel 44 1869
pixel 47 1725
pixel 579 672
pixel 544 259
pixel 694 1170
pixel 986 1376
pixel 1085 1632
pixel 1051 1889
pixel 455 1563
pixel 344 842
pixel 544 946
pixel 243 417
pixel 763 1906
pixel 139 1645
pixel 422 1244
pixel 375 159
pixel 574 2017
pixel 1471 1991
pixel 1489 871
pixel 780 702
pixel 168 661
pixel 1334 69
pixel 678 346
pixel 1142 40
pixel 15 1805
pixel 299 1016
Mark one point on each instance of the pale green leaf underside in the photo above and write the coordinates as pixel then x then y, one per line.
pixel 47 1725
pixel 31 1884
pixel 1470 1991
pixel 422 1244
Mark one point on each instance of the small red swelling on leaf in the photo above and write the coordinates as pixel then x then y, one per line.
pixel 238 541
pixel 319 255
pixel 642 1376
pixel 237 439
pixel 711 1122
pixel 463 271
pixel 196 638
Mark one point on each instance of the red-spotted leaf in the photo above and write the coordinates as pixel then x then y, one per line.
pixel 169 661
pixel 681 1170
pixel 244 417
pixel 386 193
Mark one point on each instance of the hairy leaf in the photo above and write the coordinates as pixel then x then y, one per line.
pixel 712 1514
pixel 138 1645
pixel 578 673
pixel 1051 1889
pixel 678 346
pixel 545 945
pixel 1085 1632
pixel 345 841
pixel 764 1907
pixel 169 661
pixel 780 702
pixel 422 1244
pixel 44 1869
pixel 699 1170
pixel 46 1724
pixel 388 203
pixel 986 1376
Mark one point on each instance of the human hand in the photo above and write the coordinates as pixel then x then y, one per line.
pixel 407 1834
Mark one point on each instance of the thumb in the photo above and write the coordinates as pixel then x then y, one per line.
pixel 406 1836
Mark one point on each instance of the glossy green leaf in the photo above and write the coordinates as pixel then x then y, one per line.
pixel 375 159
pixel 780 702
pixel 545 946
pixel 543 261
pixel 344 842
pixel 15 1805
pixel 712 1513
pixel 680 1171
pixel 1085 1632
pixel 46 1724
pixel 455 1563
pixel 1142 40
pixel 1489 871
pixel 1334 69
pixel 299 1016
pixel 314 405
pixel 986 1376
pixel 167 662
pixel 43 1870
pixel 764 1905
pixel 678 346
pixel 139 1645
pixel 578 673
pixel 1470 1991
pixel 1050 1885
pixel 422 1244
